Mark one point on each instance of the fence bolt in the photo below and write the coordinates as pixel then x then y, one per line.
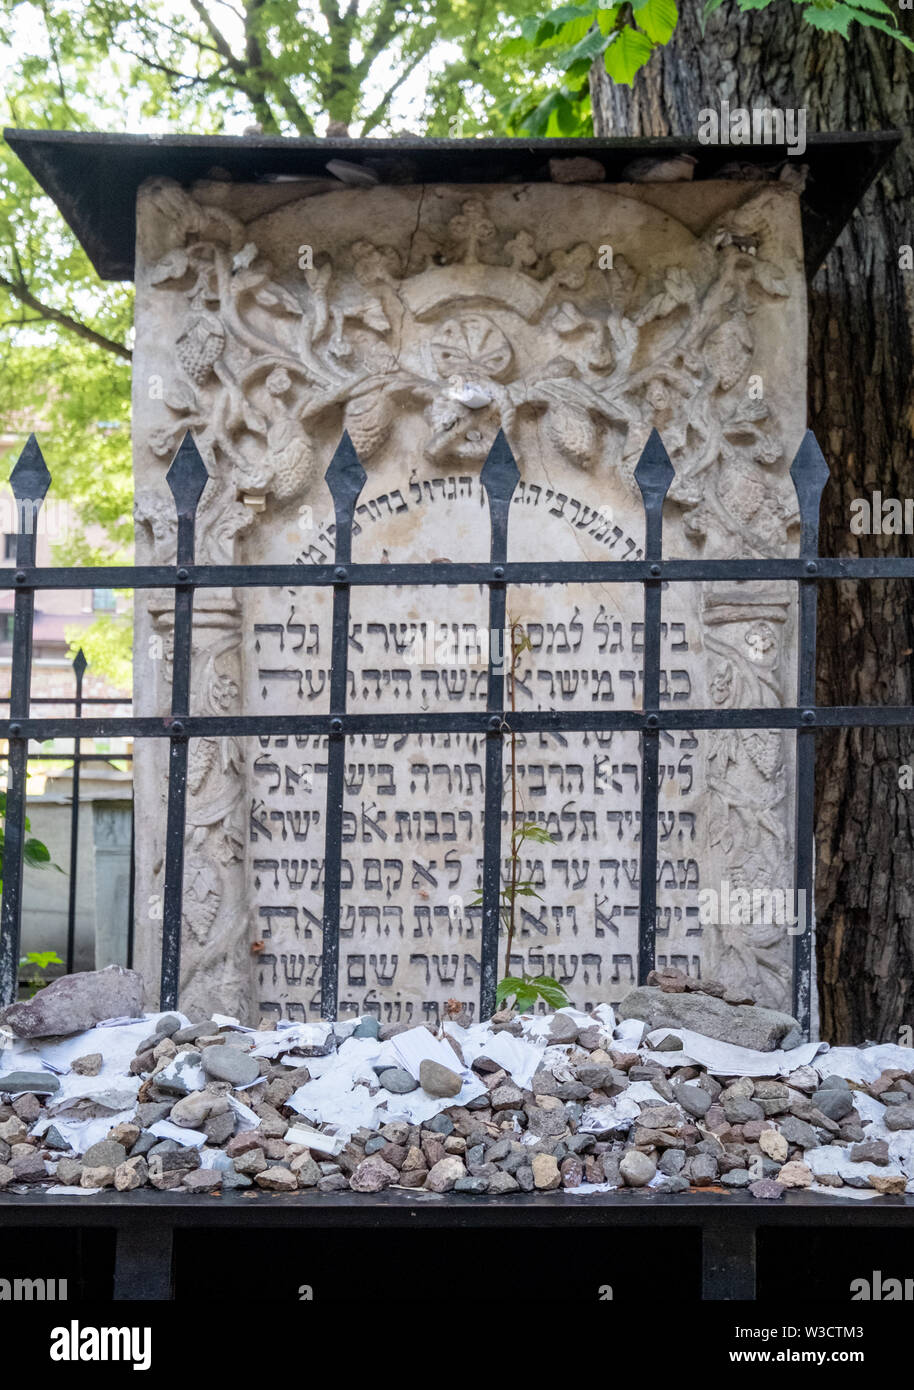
pixel 15 730
pixel 340 572
pixel 655 569
pixel 809 716
pixel 177 727
pixel 812 567
pixel 336 726
pixel 499 572
pixel 182 574
pixel 652 721
pixel 20 576
pixel 495 723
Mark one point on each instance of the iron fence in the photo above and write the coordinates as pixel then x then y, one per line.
pixel 345 477
pixel 78 759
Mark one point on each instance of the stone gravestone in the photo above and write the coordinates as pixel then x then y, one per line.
pixel 422 319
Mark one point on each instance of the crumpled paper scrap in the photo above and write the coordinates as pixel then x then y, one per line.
pixel 726 1059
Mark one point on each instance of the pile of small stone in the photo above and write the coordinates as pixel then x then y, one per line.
pixel 682 1128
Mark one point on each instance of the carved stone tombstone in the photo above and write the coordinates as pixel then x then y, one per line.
pixel 422 319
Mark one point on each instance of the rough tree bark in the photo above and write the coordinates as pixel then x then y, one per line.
pixel 861 407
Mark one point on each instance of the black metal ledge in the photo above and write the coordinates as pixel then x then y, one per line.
pixel 93 178
pixel 145 1222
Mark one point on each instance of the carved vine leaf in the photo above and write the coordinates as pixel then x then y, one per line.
pixel 728 351
pixel 368 417
pixel 567 318
pixel 173 266
pixel 573 433
pixel 768 276
pixel 678 290
pixel 370 311
pixel 273 296
pixel 180 396
pixel 571 267
pixel 199 345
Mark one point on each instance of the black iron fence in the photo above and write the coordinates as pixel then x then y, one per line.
pixel 345 478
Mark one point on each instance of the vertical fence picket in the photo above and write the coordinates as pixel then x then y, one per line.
pixel 187 477
pixel 345 478
pixel 499 478
pixel 79 668
pixel 653 475
pixel 809 472
pixel 29 481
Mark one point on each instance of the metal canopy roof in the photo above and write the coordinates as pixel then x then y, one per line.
pixel 93 178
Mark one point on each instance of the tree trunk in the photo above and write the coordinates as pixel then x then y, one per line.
pixel 861 407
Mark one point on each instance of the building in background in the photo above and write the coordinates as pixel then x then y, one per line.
pixel 102 895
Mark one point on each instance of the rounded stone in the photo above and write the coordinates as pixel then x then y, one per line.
pixel 546 1174
pixel 398 1080
pixel 368 1028
pixel 230 1064
pixel 835 1102
pixel 438 1080
pixel 774 1145
pixel 767 1190
pixel 444 1174
pixel 795 1174
pixel 373 1175
pixel 637 1168
pixel 107 1153
pixel 39 1083
pixel 476 1187
pixel 167 1026
pixel 191 1111
pixel 562 1029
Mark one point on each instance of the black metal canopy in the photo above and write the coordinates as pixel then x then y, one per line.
pixel 93 178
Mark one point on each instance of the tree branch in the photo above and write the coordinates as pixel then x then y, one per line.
pixel 384 31
pixel 216 34
pixel 377 115
pixel 51 315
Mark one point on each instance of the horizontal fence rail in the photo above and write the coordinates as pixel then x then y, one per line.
pixel 187 477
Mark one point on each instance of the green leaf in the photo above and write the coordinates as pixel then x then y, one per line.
pixel 42 959
pixel 525 996
pixel 531 831
pixel 592 44
pixel 35 853
pixel 606 19
pixel 658 19
pixel 878 5
pixel 869 21
pixel 567 24
pixel 551 991
pixel 626 55
pixel 836 20
pixel 537 121
pixel 506 987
